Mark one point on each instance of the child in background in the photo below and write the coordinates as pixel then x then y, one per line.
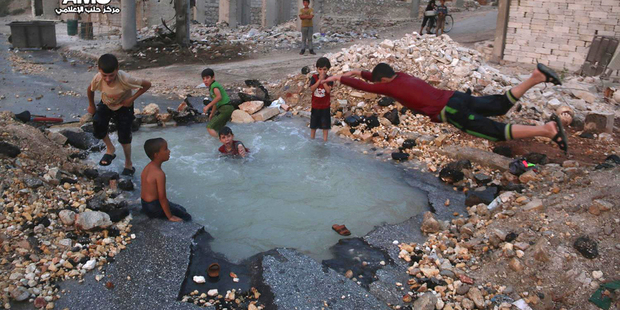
pixel 428 18
pixel 155 204
pixel 229 146
pixel 442 11
pixel 220 102
pixel 320 117
pixel 306 14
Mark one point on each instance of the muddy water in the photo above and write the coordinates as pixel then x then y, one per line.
pixel 287 193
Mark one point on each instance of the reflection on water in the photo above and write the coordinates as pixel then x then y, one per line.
pixel 287 193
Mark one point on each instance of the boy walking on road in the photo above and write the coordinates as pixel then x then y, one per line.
pixel 306 14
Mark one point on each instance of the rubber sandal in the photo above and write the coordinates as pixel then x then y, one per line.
pixel 129 172
pixel 108 158
pixel 213 270
pixel 552 77
pixel 341 230
pixel 560 137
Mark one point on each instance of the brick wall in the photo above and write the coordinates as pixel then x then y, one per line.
pixel 558 32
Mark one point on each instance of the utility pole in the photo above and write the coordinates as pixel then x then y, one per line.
pixel 128 24
pixel 182 17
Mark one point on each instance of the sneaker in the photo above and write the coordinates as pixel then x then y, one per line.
pixel 302 52
pixel 312 52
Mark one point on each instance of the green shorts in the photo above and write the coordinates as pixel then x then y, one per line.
pixel 221 117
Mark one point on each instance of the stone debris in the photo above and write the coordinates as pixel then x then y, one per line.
pixel 41 245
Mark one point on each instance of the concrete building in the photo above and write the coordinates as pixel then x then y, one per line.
pixel 557 33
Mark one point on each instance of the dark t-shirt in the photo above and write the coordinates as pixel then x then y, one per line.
pixel 235 148
pixel 430 6
pixel 320 97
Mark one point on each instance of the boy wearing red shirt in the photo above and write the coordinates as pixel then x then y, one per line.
pixel 320 117
pixel 466 112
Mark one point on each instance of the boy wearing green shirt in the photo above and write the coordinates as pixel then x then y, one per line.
pixel 220 102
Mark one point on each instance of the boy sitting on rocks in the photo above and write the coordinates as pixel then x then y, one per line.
pixel 155 204
pixel 466 112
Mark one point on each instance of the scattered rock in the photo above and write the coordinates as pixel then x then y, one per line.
pixel 400 156
pixel 265 114
pixel 33 182
pixel 597 122
pixel 91 174
pixel 92 219
pixel 463 289
pixel 151 109
pixel 78 138
pixel 425 302
pixel 9 150
pixel 385 101
pixel 450 175
pixel 67 217
pixel 534 205
pixel 200 279
pixel 241 117
pixel 429 224
pixel 20 293
pixel 485 196
pixel 251 107
pixel 126 184
pixel 392 116
pixel 476 296
pixel 586 246
pixel 536 158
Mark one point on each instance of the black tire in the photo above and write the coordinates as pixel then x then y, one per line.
pixel 449 23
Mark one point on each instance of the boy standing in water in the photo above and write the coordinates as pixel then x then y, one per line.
pixel 220 102
pixel 155 203
pixel 320 117
pixel 116 102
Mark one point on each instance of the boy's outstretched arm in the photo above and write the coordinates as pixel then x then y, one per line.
pixel 145 86
pixel 91 101
pixel 160 180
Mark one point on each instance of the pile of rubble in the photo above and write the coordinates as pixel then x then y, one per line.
pixel 444 64
pixel 252 38
pixel 59 218
pixel 541 247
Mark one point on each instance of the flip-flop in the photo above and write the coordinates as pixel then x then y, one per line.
pixel 108 158
pixel 213 270
pixel 129 172
pixel 560 137
pixel 551 76
pixel 341 230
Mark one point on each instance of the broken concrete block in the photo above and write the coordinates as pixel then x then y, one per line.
pixel 598 122
pixel 251 107
pixel 265 114
pixel 241 117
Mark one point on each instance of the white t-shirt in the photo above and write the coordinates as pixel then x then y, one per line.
pixel 113 95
